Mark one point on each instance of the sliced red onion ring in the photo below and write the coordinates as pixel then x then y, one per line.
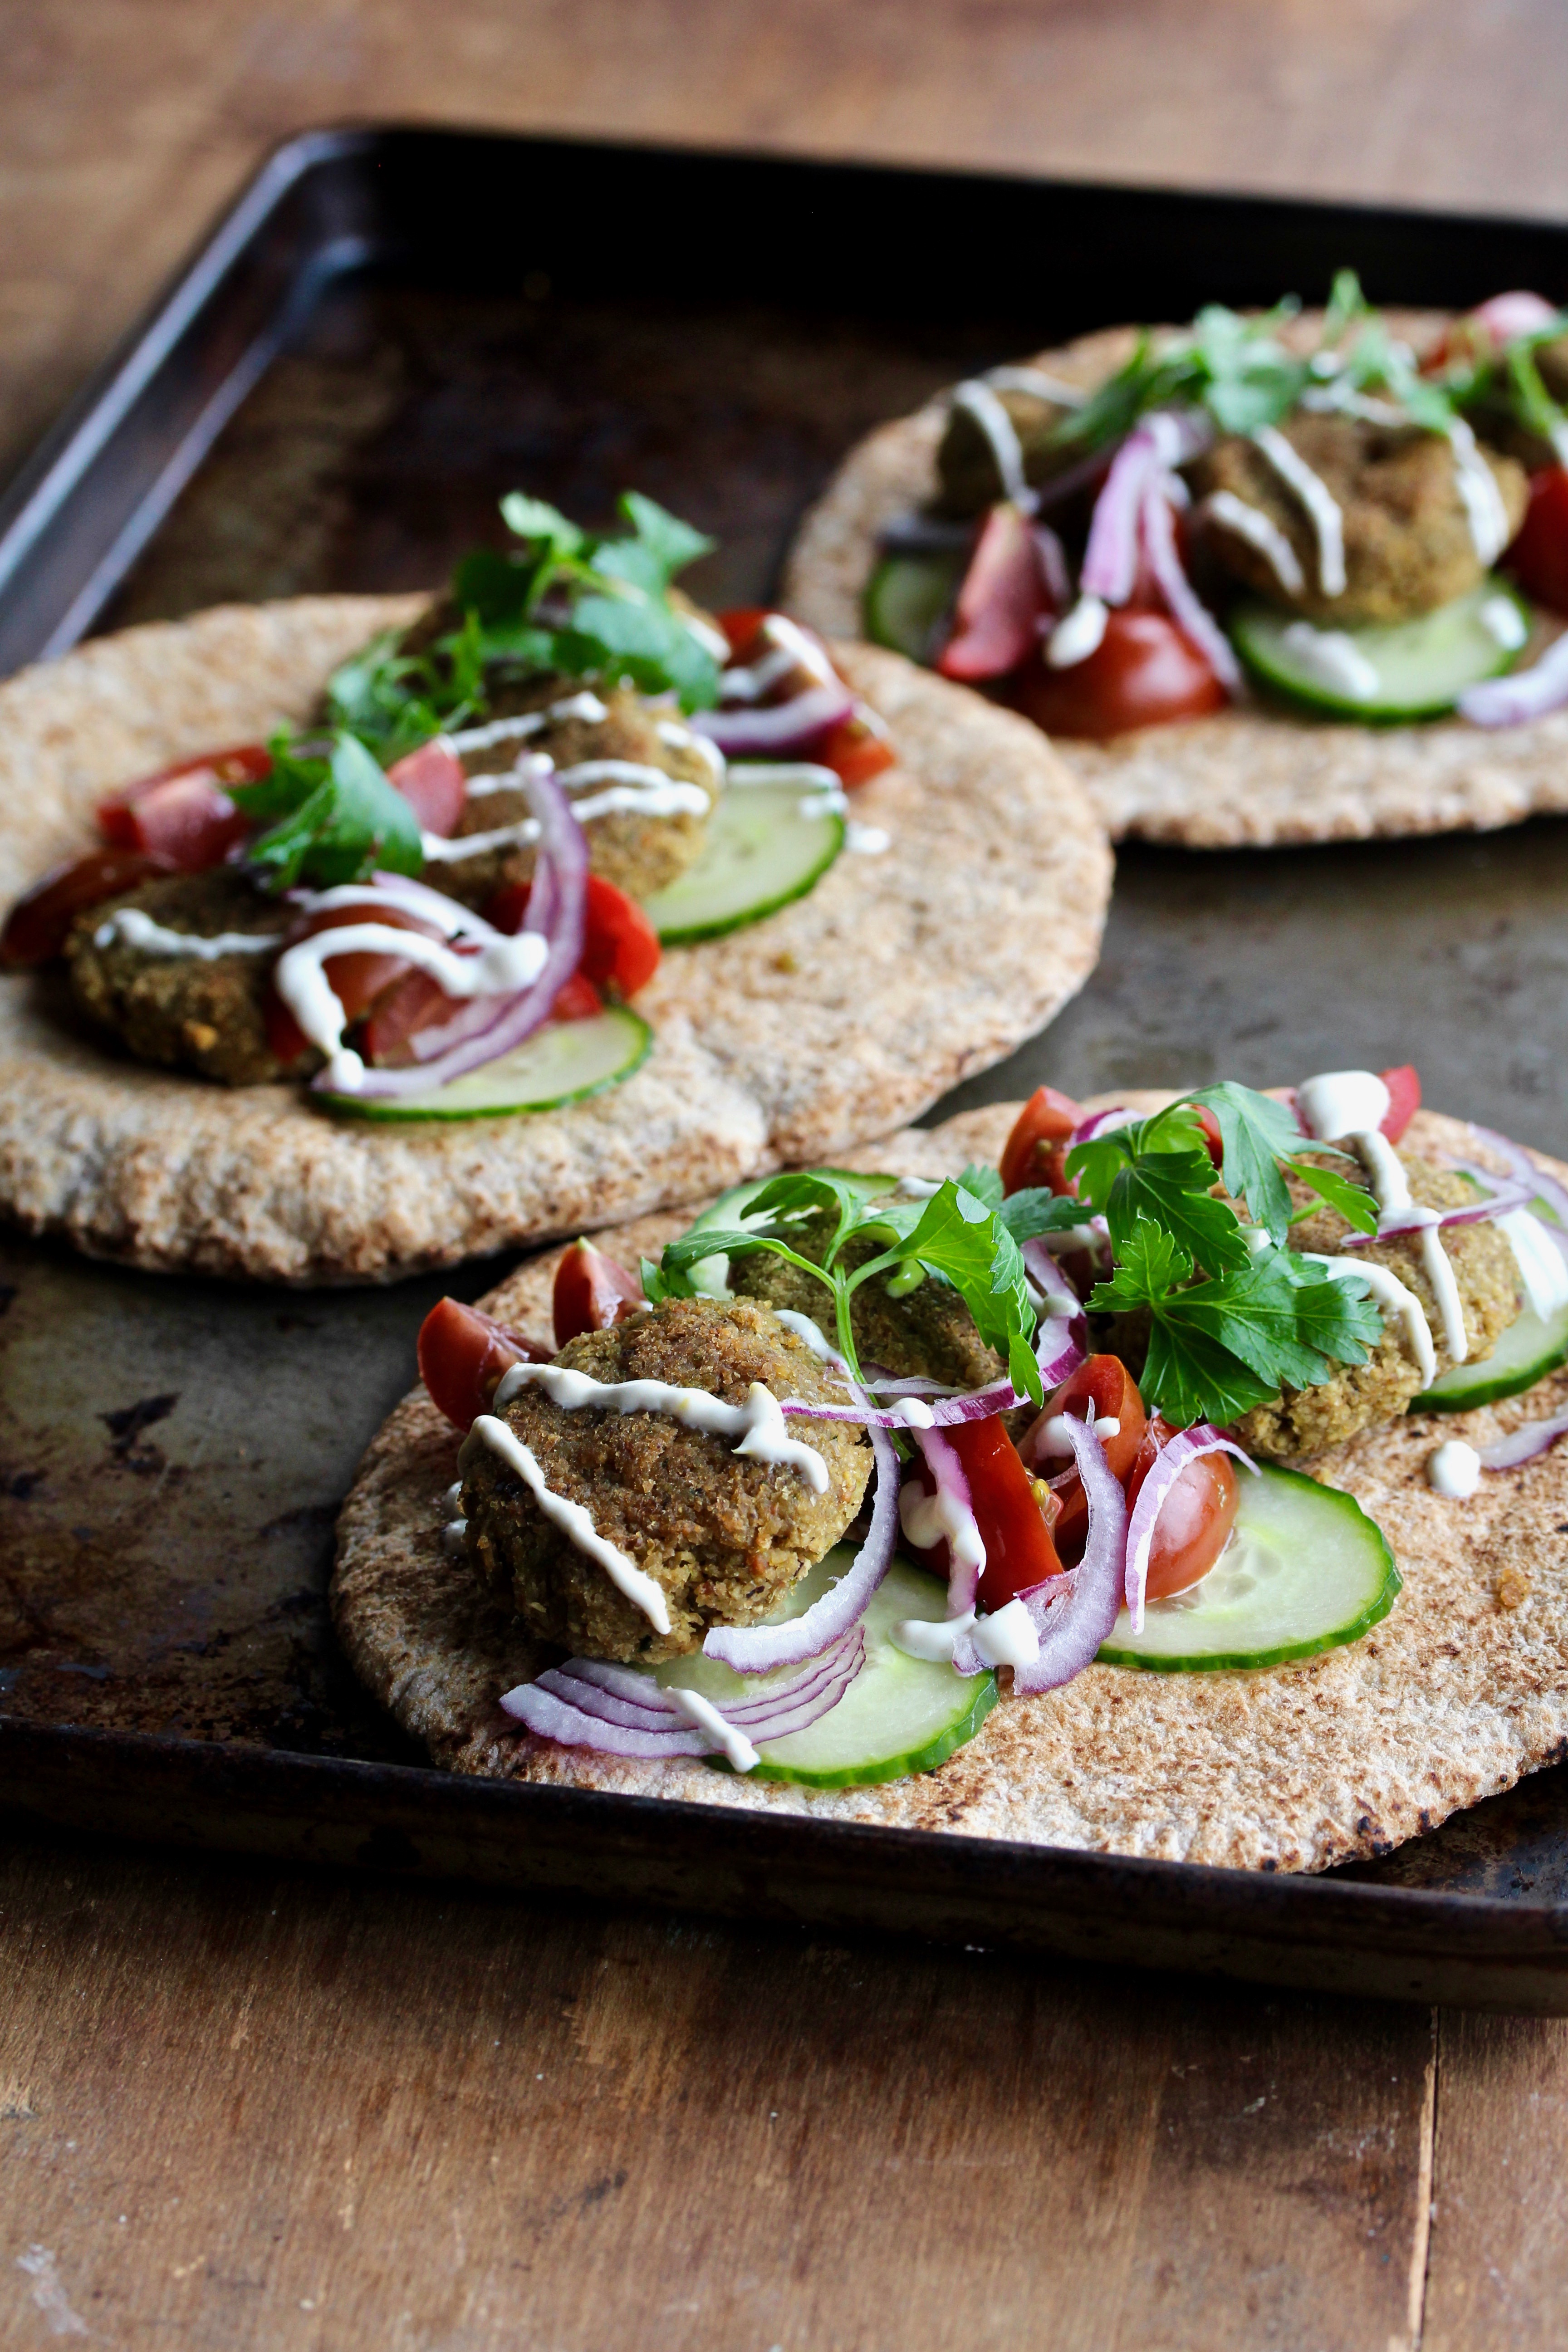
pixel 572 1704
pixel 965 1547
pixel 1526 694
pixel 539 1711
pixel 1074 1615
pixel 754 1649
pixel 1188 611
pixel 1162 439
pixel 1118 1115
pixel 1509 1192
pixel 1543 1185
pixel 1524 1444
pixel 598 1683
pixel 775 727
pixel 556 908
pixel 1184 1449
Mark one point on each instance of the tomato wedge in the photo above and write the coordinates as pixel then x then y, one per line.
pixel 1001 601
pixel 1104 1382
pixel 184 814
pixel 1035 1151
pixel 1403 1099
pixel 857 749
pixel 39 924
pixel 434 783
pixel 1195 1519
pixel 740 624
pixel 1006 1502
pixel 620 947
pixel 1143 672
pixel 592 1292
pixel 1539 556
pixel 462 1355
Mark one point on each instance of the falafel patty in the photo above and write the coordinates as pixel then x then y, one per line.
pixel 638 852
pixel 724 1536
pixel 1360 1396
pixel 205 1013
pixel 968 477
pixel 1408 545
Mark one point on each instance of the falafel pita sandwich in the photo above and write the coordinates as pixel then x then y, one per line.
pixel 351 935
pixel 1166 1477
pixel 1266 579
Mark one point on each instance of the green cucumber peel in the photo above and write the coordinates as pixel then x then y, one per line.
pixel 565 1062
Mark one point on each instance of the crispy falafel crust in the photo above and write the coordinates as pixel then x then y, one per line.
pixel 1452 1697
pixel 835 1019
pixel 208 1015
pixel 1246 777
pixel 723 1536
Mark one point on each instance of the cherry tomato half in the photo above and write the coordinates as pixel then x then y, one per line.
pixel 1014 1529
pixel 1001 604
pixel 1195 1519
pixel 1143 672
pixel 620 947
pixel 184 814
pixel 433 782
pixel 462 1355
pixel 1403 1099
pixel 1032 1154
pixel 1105 1382
pixel 740 624
pixel 37 925
pixel 592 1292
pixel 857 749
pixel 1539 556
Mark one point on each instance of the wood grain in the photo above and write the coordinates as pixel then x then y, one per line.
pixel 240 2110
pixel 1496 2276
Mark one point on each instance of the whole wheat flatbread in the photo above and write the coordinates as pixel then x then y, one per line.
pixel 1247 777
pixel 1452 1697
pixel 834 1020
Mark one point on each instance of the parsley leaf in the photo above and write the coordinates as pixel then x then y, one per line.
pixel 1159 1168
pixel 1257 1133
pixel 1353 1202
pixel 339 819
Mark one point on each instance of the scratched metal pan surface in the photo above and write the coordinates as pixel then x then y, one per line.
pixel 389 330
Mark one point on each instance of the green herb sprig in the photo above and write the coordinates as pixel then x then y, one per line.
pixel 337 819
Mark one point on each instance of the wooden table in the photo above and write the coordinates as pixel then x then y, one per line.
pixel 238 2109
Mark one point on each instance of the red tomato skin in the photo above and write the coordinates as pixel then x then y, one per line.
pixel 740 624
pixel 1108 1381
pixel 591 1293
pixel 39 924
pixel 463 1353
pixel 1001 602
pixel 1403 1099
pixel 184 814
pixel 1213 1140
pixel 1143 672
pixel 1539 556
pixel 857 749
pixel 1014 1527
pixel 1032 1155
pixel 578 1000
pixel 621 948
pixel 433 782
pixel 1195 1519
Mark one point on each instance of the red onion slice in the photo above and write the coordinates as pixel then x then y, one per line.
pixel 566 1705
pixel 1091 1126
pixel 1526 694
pixel 556 907
pixel 775 727
pixel 541 1712
pixel 965 1547
pixel 1524 1444
pixel 1188 611
pixel 1543 1185
pixel 1509 1193
pixel 598 1686
pixel 1184 1449
pixel 1163 439
pixel 754 1649
pixel 1073 1615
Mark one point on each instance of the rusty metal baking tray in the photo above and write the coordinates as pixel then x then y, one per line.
pixel 388 330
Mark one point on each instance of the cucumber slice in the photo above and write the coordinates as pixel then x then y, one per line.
pixel 561 1063
pixel 1305 1571
pixel 1526 1352
pixel 769 842
pixel 908 599
pixel 900 1715
pixel 1421 666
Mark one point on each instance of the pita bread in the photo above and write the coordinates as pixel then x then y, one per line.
pixel 1459 1691
pixel 1247 777
pixel 835 1019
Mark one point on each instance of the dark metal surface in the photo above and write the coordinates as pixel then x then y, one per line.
pixel 171 1453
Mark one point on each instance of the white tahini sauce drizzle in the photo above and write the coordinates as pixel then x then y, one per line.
pixel 929 1520
pixel 1500 618
pixel 1483 502
pixel 585 706
pixel 502 966
pixel 1542 1269
pixel 738 1749
pixel 977 400
pixel 1261 532
pixel 1007 1638
pixel 139 930
pixel 683 739
pixel 1319 504
pixel 757 1426
pixel 866 840
pixel 648 791
pixel 1349 1107
pixel 803 1326
pixel 1331 658
pixel 573 1521
pixel 789 648
pixel 1077 633
pixel 1036 385
pixel 1455 1469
